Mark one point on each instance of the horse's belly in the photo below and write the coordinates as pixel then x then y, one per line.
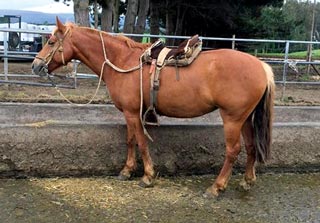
pixel 182 108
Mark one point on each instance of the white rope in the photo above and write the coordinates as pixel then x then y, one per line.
pixel 99 83
pixel 95 93
pixel 107 61
pixel 141 101
pixel 114 66
pixel 126 71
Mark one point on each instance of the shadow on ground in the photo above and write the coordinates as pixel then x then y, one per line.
pixel 275 198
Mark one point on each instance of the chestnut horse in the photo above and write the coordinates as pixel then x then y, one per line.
pixel 236 83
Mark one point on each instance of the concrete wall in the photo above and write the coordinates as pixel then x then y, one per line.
pixel 64 140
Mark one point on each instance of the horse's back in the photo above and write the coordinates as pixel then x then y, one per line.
pixel 216 79
pixel 236 77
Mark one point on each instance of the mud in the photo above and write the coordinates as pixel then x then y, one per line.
pixel 275 198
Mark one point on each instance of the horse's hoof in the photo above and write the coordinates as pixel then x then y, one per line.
pixel 211 194
pixel 124 177
pixel 244 185
pixel 145 182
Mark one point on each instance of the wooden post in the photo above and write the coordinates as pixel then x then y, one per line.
pixel 309 50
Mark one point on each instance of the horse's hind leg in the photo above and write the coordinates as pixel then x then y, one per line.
pixel 247 133
pixel 232 139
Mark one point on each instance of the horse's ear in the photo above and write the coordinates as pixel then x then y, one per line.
pixel 60 25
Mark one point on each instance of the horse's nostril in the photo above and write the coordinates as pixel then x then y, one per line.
pixel 36 68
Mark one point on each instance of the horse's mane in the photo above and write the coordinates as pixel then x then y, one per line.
pixel 131 43
pixel 127 41
pixel 69 25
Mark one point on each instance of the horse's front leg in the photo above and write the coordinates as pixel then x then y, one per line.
pixel 131 163
pixel 135 134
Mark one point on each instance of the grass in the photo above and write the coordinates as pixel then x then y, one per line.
pixel 303 54
pixel 293 55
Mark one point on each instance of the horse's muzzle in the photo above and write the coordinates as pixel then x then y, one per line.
pixel 39 68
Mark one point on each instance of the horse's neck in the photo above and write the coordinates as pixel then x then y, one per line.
pixel 90 48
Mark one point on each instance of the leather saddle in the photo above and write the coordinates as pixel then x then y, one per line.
pixel 159 56
pixel 185 50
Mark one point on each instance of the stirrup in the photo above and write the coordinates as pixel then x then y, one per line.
pixel 150 117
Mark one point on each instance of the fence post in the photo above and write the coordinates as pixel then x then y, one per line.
pixel 5 53
pixel 75 64
pixel 233 41
pixel 285 68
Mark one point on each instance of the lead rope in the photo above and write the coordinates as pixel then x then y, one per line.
pixel 107 61
pixel 145 132
pixel 58 90
pixel 95 93
pixel 141 101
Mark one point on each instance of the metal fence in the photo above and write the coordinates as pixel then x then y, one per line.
pixel 284 61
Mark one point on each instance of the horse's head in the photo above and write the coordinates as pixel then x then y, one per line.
pixel 55 53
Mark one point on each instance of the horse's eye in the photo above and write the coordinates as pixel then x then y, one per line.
pixel 50 42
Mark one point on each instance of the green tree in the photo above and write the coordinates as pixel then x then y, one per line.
pixel 292 21
pixel 219 18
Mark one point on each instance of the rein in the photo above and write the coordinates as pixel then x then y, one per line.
pixel 106 60
pixel 47 59
pixel 59 48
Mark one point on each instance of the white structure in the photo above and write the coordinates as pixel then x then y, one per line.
pixel 26 37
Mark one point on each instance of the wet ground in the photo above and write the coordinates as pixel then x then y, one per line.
pixel 275 198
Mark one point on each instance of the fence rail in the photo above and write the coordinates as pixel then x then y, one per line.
pixel 5 54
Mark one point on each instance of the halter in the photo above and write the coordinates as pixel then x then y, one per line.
pixel 48 58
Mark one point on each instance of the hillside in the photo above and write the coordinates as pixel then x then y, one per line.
pixel 38 18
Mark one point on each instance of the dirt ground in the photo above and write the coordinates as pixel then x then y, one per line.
pixel 282 198
pixel 23 93
pixel 275 198
pixel 293 94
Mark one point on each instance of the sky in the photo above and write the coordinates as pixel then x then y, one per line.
pixel 46 6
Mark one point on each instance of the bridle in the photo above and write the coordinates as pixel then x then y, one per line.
pixel 48 58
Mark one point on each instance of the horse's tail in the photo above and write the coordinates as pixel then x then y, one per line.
pixel 262 119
